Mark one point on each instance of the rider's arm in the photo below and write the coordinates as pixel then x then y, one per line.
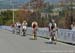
pixel 26 24
pixel 55 25
pixel 50 25
pixel 32 25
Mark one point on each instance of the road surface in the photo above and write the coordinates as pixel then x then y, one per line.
pixel 12 43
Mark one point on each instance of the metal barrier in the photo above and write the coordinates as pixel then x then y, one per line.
pixel 40 32
pixel 64 35
pixel 6 28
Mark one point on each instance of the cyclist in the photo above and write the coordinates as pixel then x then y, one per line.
pixel 34 28
pixel 13 28
pixel 52 31
pixel 18 26
pixel 24 27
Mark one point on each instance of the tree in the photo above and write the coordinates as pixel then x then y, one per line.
pixel 5 17
pixel 68 12
pixel 1 20
pixel 27 14
pixel 23 14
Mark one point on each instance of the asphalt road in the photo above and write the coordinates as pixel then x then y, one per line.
pixel 12 43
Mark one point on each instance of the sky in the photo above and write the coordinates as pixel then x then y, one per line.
pixel 6 3
pixel 3 1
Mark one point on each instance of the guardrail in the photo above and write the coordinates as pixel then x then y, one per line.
pixel 64 35
pixel 6 28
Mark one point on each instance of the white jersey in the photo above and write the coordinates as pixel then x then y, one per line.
pixel 50 25
pixel 55 28
pixel 55 25
pixel 24 25
pixel 18 24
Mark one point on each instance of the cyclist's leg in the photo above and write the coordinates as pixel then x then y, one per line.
pixel 23 32
pixel 50 36
pixel 34 33
pixel 13 30
pixel 18 30
pixel 54 37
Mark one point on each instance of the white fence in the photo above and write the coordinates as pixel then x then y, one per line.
pixel 64 35
pixel 6 28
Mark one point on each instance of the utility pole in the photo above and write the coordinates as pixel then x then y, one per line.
pixel 13 14
pixel 11 3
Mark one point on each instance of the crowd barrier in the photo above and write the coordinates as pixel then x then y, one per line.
pixel 64 35
pixel 40 32
pixel 6 28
